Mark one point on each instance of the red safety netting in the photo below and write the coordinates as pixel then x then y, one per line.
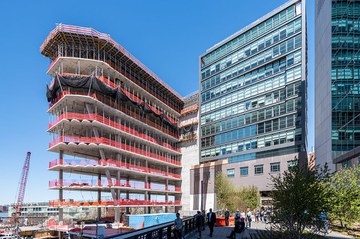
pixel 106 203
pixel 112 143
pixel 119 107
pixel 111 183
pixel 103 120
pixel 111 163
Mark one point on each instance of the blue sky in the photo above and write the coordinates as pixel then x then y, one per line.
pixel 167 36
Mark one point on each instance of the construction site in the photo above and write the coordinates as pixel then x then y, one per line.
pixel 118 132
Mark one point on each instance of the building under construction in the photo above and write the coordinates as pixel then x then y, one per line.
pixel 114 123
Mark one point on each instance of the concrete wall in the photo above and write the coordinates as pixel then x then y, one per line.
pixel 323 83
pixel 205 173
pixel 190 156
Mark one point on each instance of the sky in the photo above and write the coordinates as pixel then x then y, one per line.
pixel 167 36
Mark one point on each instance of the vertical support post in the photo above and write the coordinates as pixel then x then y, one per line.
pixel 99 200
pixel 117 209
pixel 61 196
pixel 167 194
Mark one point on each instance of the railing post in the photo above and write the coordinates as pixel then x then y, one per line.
pixel 168 232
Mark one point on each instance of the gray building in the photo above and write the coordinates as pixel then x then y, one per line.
pixel 337 92
pixel 253 102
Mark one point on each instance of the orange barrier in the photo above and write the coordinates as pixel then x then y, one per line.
pixel 115 105
pixel 112 143
pixel 103 120
pixel 112 163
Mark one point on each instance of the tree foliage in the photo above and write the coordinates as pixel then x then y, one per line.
pixel 299 196
pixel 345 197
pixel 231 197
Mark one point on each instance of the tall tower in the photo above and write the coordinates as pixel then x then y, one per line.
pixel 253 101
pixel 114 125
pixel 337 94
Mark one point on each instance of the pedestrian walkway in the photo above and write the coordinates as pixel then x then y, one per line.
pixel 258 231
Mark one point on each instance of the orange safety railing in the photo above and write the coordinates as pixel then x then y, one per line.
pixel 112 143
pixel 120 202
pixel 119 107
pixel 112 163
pixel 103 120
pixel 110 183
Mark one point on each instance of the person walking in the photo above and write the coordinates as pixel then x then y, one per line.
pixel 211 216
pixel 203 214
pixel 178 227
pixel 199 222
pixel 238 228
pixel 248 218
pixel 227 215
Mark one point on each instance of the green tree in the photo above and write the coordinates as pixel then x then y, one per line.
pixel 225 192
pixel 248 197
pixel 232 197
pixel 345 198
pixel 298 198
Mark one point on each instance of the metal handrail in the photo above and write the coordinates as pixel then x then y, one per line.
pixel 159 231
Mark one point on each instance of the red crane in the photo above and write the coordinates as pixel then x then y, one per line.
pixel 23 181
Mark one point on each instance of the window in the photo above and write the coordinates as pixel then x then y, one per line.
pixel 259 169
pixel 275 167
pixel 231 172
pixel 292 163
pixel 244 171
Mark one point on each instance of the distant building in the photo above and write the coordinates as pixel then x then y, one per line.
pixel 311 161
pixel 4 208
pixel 189 143
pixel 337 82
pixel 45 210
pixel 253 103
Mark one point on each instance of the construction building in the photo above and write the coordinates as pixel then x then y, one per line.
pixel 253 103
pixel 115 124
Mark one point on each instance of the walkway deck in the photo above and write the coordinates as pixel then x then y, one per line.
pixel 258 231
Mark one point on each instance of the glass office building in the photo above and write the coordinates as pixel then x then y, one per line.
pixel 253 94
pixel 337 25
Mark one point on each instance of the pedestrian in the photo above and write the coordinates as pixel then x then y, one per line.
pixel 227 215
pixel 248 218
pixel 239 226
pixel 199 222
pixel 257 215
pixel 203 214
pixel 324 218
pixel 178 227
pixel 211 216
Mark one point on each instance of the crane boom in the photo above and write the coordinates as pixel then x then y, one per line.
pixel 23 181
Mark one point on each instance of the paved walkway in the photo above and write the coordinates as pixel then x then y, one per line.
pixel 258 231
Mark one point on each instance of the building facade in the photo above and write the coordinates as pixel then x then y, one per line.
pixel 253 102
pixel 114 125
pixel 189 138
pixel 337 92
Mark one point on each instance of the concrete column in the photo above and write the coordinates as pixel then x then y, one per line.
pixel 167 195
pixel 118 210
pixel 99 200
pixel 61 196
pixel 127 210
